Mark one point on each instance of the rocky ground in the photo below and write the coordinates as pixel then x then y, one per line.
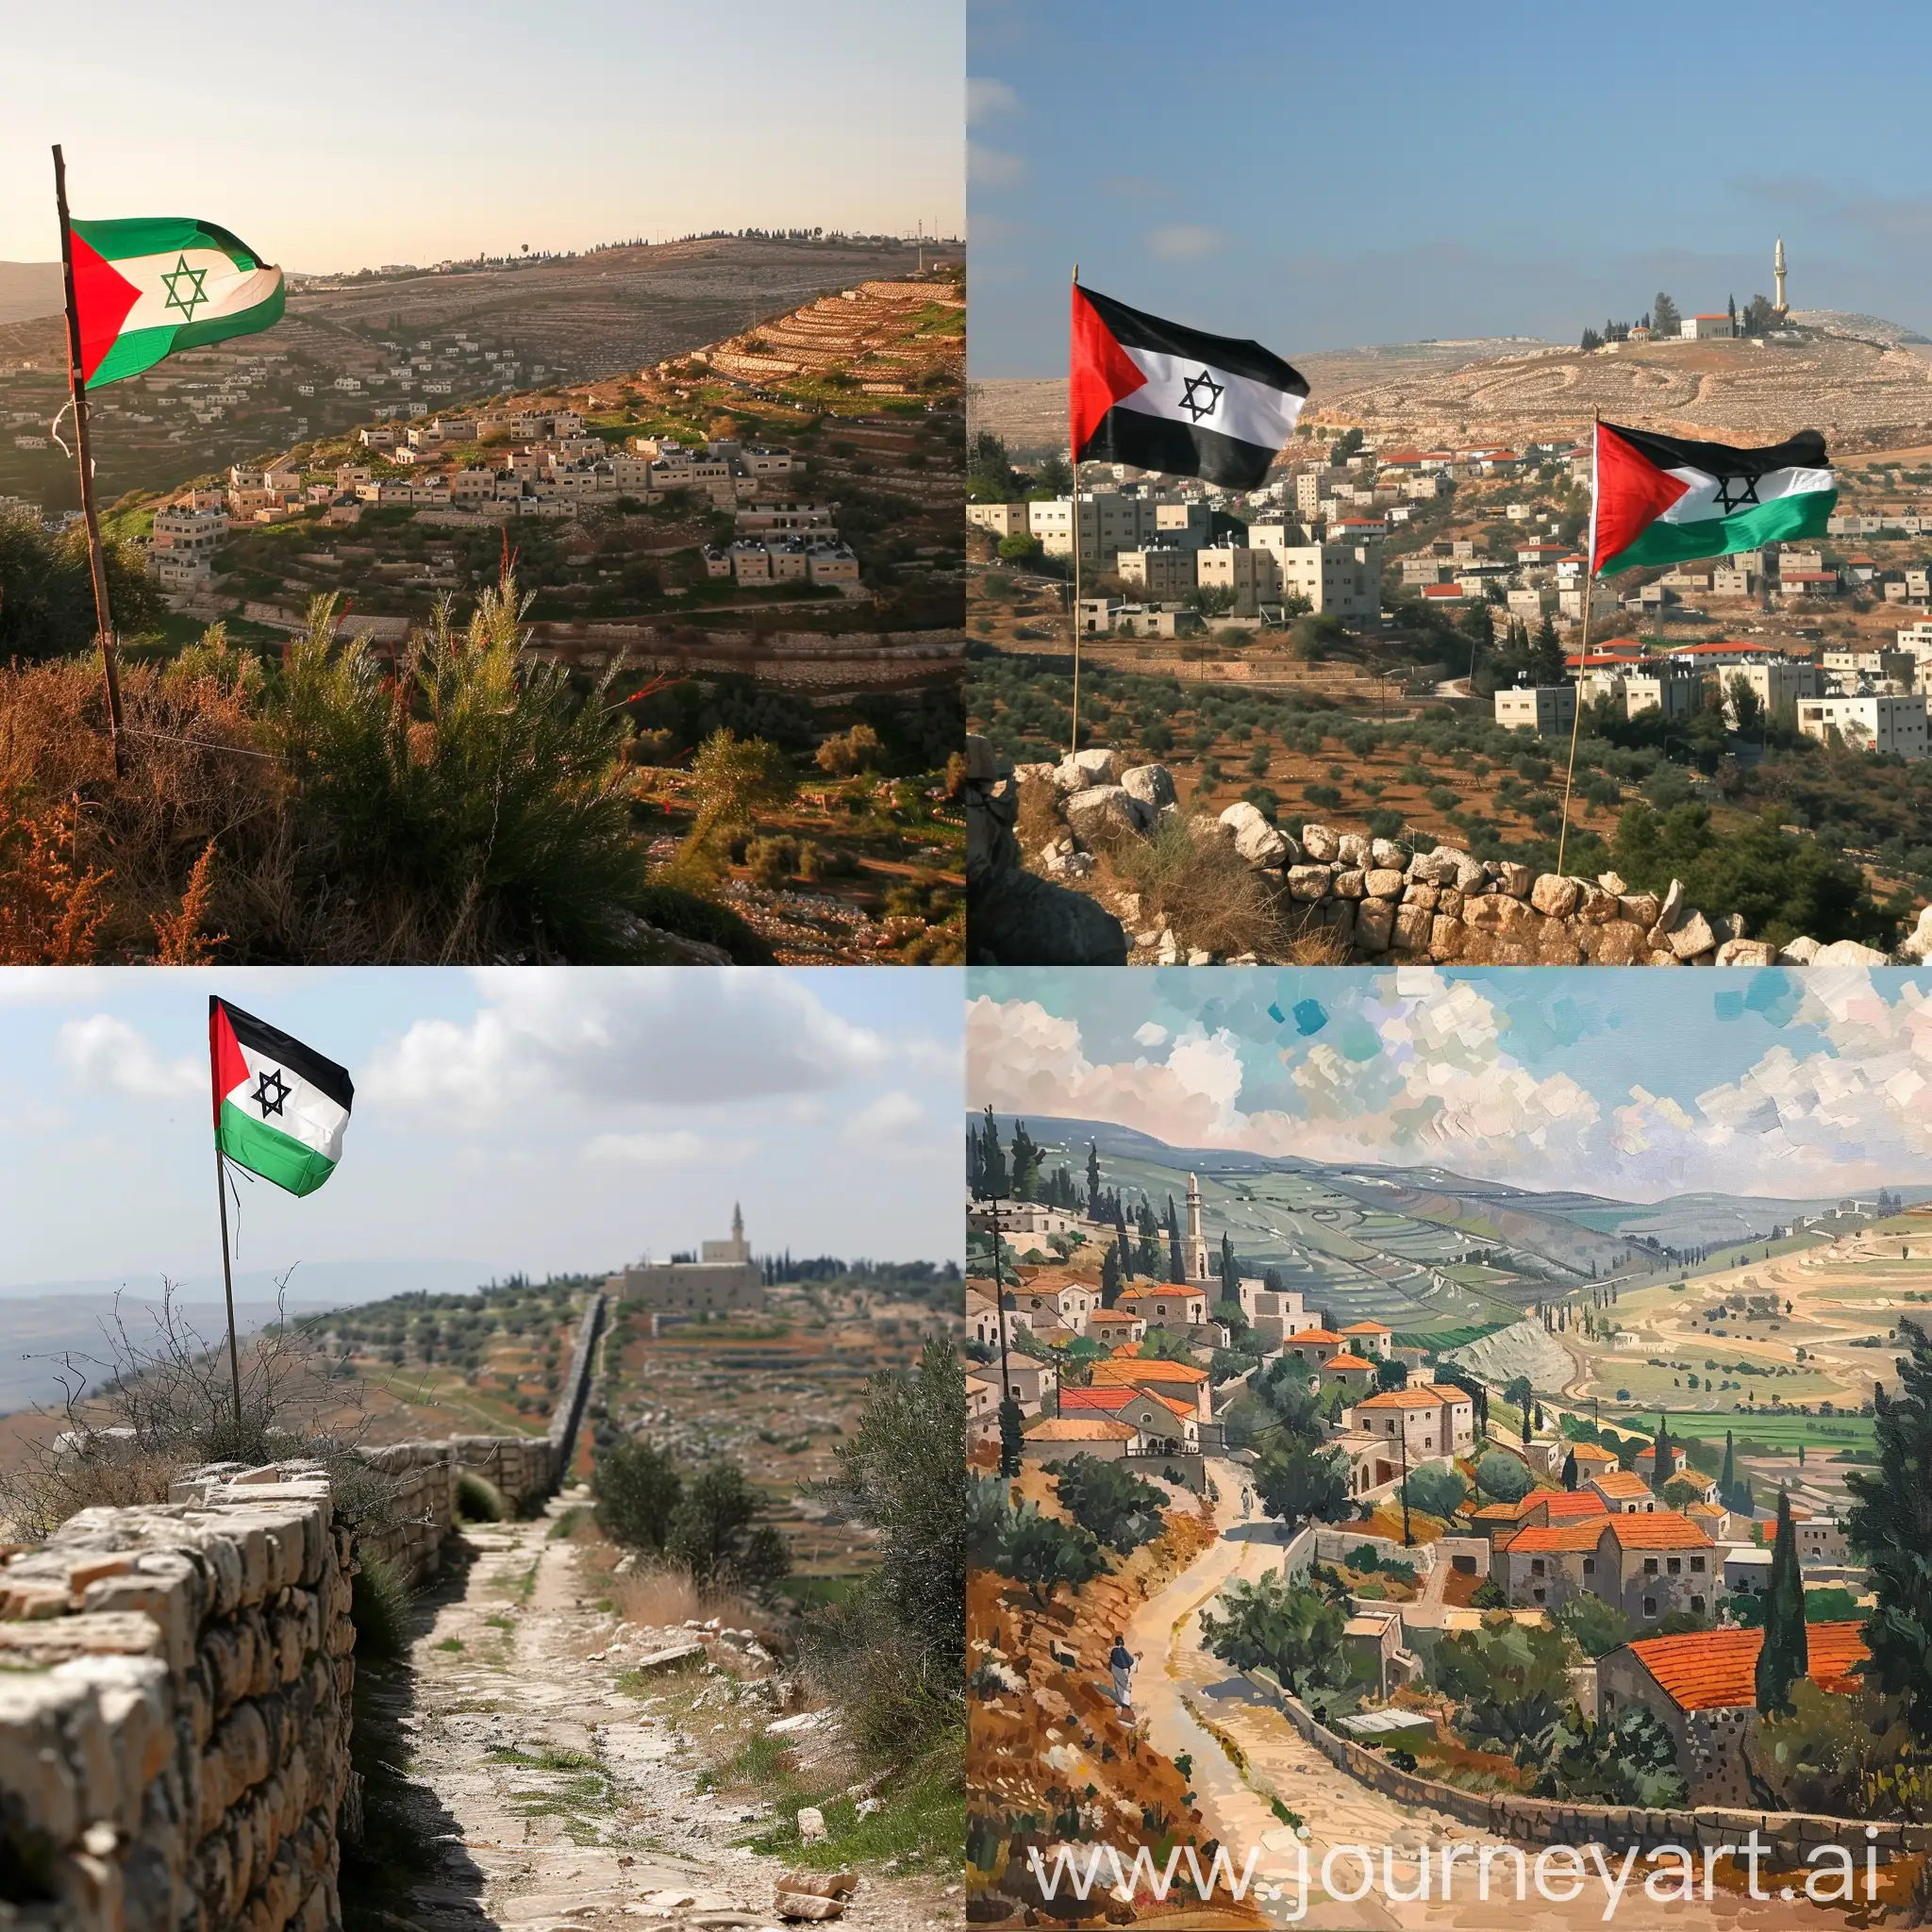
pixel 559 1757
pixel 1076 825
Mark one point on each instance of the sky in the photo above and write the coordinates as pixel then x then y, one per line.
pixel 358 133
pixel 541 1121
pixel 1634 1084
pixel 1319 177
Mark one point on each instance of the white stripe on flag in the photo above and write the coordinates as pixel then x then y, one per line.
pixel 307 1114
pixel 1204 397
pixel 221 290
pixel 1700 503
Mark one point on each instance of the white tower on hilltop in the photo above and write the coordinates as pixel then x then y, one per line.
pixel 1777 269
pixel 1197 1246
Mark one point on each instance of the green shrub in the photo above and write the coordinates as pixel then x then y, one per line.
pixel 478 1499
pixel 1109 1501
pixel 379 1608
pixel 639 1490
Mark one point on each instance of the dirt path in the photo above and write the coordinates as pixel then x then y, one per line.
pixel 564 1804
pixel 1178 1685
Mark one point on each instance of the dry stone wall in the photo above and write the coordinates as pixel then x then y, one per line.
pixel 1384 901
pixel 175 1687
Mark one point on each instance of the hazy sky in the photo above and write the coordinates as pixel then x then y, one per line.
pixel 548 1121
pixel 1321 177
pixel 1635 1085
pixel 356 133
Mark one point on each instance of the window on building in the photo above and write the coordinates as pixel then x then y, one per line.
pixel 1675 1565
pixel 1697 1566
pixel 1650 1566
pixel 1650 1606
pixel 1589 1566
pixel 1697 1606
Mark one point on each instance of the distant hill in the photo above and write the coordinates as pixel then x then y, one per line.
pixel 28 290
pixel 1849 322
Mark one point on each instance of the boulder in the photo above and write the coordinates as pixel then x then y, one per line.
pixel 1612 883
pixel 1447 937
pixel 1442 867
pixel 1692 935
pixel 1639 908
pixel 1255 839
pixel 1672 909
pixel 1413 926
pixel 1338 916
pixel 1153 785
pixel 1097 765
pixel 1799 951
pixel 1310 882
pixel 1374 920
pixel 1448 903
pixel 1916 949
pixel 1617 944
pixel 1385 882
pixel 1321 843
pixel 1850 952
pixel 1471 875
pixel 1422 895
pixel 1746 952
pixel 1387 854
pixel 1556 945
pixel 1555 896
pixel 1349 885
pixel 1598 907
pixel 1729 927
pixel 1200 956
pixel 1514 880
pixel 1354 851
pixel 1033 775
pixel 1103 814
pixel 982 761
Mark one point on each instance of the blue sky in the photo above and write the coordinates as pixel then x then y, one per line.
pixel 356 133
pixel 1325 176
pixel 545 1121
pixel 1638 1085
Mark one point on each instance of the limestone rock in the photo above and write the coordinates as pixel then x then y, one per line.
pixel 1916 948
pixel 1673 908
pixel 1801 951
pixel 1746 952
pixel 1556 945
pixel 1555 896
pixel 1448 903
pixel 1639 908
pixel 1385 882
pixel 1612 883
pixel 1309 882
pixel 811 1825
pixel 1103 814
pixel 1413 925
pixel 1421 894
pixel 1692 935
pixel 1388 855
pixel 1471 875
pixel 1598 907
pixel 1321 843
pixel 1498 912
pixel 1849 953
pixel 1349 885
pixel 982 761
pixel 1354 851
pixel 1200 956
pixel 1255 839
pixel 1446 937
pixel 1374 920
pixel 1618 944
pixel 1729 927
pixel 1152 785
pixel 1514 880
pixel 1097 765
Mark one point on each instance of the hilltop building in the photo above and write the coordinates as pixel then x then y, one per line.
pixel 723 1276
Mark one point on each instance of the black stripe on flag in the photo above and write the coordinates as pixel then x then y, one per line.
pixel 1134 328
pixel 287 1051
pixel 1803 451
pixel 1178 449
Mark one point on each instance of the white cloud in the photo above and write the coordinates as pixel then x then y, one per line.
pixel 1185 241
pixel 993 167
pixel 638 1038
pixel 676 1147
pixel 885 1123
pixel 1150 1035
pixel 986 98
pixel 108 1056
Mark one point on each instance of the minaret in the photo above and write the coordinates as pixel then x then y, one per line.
pixel 1777 269
pixel 1197 1246
pixel 743 1252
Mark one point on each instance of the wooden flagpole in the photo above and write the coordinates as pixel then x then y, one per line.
pixel 77 388
pixel 1583 652
pixel 228 1288
pixel 1074 491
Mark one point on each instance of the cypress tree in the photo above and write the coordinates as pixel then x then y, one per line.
pixel 1569 1471
pixel 1012 1433
pixel 1093 1179
pixel 1661 1468
pixel 1785 1653
pixel 1728 1479
pixel 1109 1277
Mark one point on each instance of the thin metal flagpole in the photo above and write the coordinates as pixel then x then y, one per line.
pixel 1073 494
pixel 228 1288
pixel 1583 653
pixel 77 388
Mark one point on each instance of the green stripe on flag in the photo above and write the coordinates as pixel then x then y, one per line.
pixel 1802 513
pixel 161 235
pixel 275 1157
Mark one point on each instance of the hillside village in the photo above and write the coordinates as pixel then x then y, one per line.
pixel 1397 1536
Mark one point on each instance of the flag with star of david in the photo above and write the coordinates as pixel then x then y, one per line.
pixel 1165 398
pixel 1666 499
pixel 146 287
pixel 280 1108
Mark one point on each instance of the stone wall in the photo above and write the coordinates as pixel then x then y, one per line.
pixel 1382 900
pixel 174 1688
pixel 1788 1835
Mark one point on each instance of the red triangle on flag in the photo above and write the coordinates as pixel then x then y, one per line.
pixel 1631 494
pixel 1099 372
pixel 102 297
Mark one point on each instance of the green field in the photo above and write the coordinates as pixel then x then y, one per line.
pixel 1774 1431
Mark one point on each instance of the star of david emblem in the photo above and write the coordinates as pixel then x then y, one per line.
pixel 270 1091
pixel 184 285
pixel 1733 492
pixel 1194 387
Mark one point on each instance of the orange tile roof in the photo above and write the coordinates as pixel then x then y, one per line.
pixel 1172 1287
pixel 1563 1505
pixel 1593 1452
pixel 1349 1361
pixel 1497 1512
pixel 1148 1369
pixel 1321 1336
pixel 1096 1398
pixel 1661 1530
pixel 1073 1428
pixel 1180 1408
pixel 1368 1328
pixel 1619 1483
pixel 1706 1669
pixel 1422 1396
pixel 1558 1536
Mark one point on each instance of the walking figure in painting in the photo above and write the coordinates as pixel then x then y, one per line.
pixel 1120 1660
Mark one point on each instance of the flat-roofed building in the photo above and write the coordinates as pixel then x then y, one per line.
pixel 722 1276
pixel 1874 722
pixel 1252 577
pixel 1546 710
pixel 1162 572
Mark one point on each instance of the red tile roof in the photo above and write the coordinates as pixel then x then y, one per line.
pixel 1368 1328
pixel 1420 1395
pixel 1662 1529
pixel 1106 1398
pixel 1075 1429
pixel 1703 1670
pixel 1558 1536
pixel 1348 1361
pixel 1148 1369
pixel 1564 1504
pixel 1622 1484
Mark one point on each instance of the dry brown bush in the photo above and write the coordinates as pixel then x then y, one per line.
pixel 1037 823
pixel 1203 891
